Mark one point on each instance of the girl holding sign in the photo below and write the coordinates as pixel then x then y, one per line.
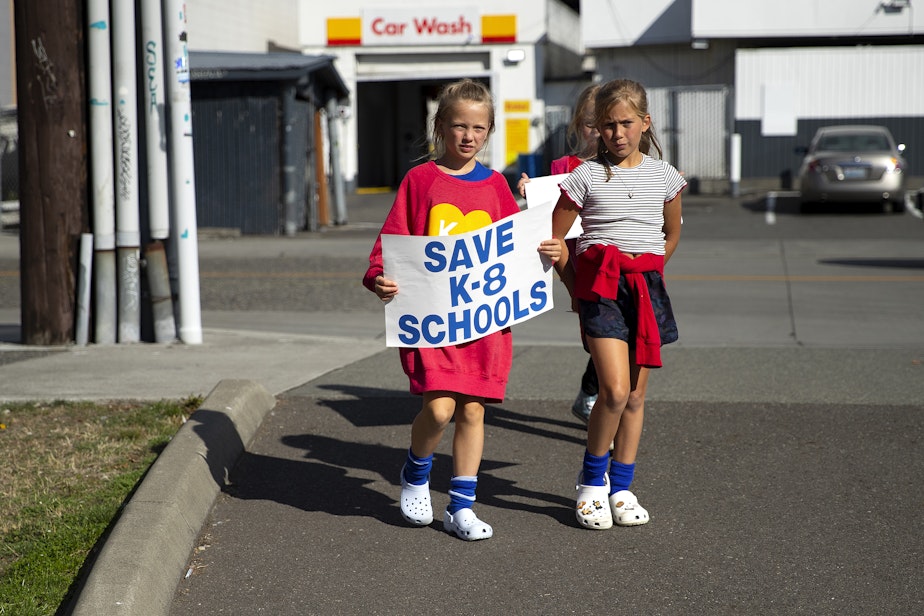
pixel 630 210
pixel 453 193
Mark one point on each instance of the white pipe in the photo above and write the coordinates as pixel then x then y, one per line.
pixel 158 277
pixel 128 269
pixel 104 279
pixel 182 181
pixel 770 214
pixel 100 91
pixel 735 164
pixel 155 121
pixel 128 229
pixel 84 278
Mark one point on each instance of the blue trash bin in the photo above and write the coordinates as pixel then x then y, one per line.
pixel 530 164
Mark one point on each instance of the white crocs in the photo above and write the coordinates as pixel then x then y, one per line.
pixel 415 502
pixel 626 510
pixel 593 507
pixel 466 525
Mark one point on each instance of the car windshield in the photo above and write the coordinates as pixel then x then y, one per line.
pixel 854 143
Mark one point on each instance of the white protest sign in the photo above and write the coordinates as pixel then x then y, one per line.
pixel 457 288
pixel 544 190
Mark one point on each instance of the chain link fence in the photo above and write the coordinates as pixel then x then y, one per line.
pixel 692 124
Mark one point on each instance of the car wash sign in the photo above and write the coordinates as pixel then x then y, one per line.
pixel 428 25
pixel 457 288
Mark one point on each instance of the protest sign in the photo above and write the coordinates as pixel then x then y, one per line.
pixel 543 191
pixel 457 288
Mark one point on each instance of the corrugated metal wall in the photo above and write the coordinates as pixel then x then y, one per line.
pixel 834 82
pixel 237 157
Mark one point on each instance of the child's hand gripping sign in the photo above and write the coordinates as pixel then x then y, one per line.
pixel 463 286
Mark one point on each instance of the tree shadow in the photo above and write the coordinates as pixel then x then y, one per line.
pixel 885 262
pixel 790 204
pixel 782 205
pixel 339 477
pixel 312 485
pixel 392 408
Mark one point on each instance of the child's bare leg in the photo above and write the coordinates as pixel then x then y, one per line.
pixel 430 423
pixel 468 442
pixel 426 432
pixel 633 417
pixel 623 504
pixel 467 449
pixel 611 358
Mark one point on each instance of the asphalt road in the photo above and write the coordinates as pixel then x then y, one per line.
pixel 781 461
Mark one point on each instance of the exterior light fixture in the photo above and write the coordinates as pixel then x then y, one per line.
pixel 515 56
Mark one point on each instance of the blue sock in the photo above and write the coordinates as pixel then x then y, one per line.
pixel 621 476
pixel 594 469
pixel 461 493
pixel 417 470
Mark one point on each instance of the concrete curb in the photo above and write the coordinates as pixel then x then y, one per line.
pixel 142 560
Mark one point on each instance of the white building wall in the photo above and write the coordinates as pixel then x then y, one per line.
pixel 805 18
pixel 605 23
pixel 833 82
pixel 564 26
pixel 242 25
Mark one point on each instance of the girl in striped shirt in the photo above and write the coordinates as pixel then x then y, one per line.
pixel 630 209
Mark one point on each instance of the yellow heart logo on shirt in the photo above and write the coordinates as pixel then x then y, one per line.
pixel 447 219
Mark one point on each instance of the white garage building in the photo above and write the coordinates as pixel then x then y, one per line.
pixel 771 72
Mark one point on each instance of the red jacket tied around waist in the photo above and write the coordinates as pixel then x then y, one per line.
pixel 597 275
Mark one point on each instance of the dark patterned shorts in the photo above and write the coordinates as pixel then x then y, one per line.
pixel 619 319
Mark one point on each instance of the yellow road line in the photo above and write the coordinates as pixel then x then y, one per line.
pixel 675 277
pixel 783 278
pixel 329 275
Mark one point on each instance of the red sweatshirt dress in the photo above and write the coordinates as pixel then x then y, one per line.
pixel 430 202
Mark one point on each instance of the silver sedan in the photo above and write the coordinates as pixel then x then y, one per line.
pixel 857 164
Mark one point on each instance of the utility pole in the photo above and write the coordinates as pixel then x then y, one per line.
pixel 52 110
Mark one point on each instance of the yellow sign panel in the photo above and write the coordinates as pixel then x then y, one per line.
pixel 513 106
pixel 517 132
pixel 499 29
pixel 344 31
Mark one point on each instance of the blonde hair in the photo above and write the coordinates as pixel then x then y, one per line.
pixel 632 94
pixel 463 90
pixel 583 109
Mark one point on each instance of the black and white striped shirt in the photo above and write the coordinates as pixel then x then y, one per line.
pixel 628 210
